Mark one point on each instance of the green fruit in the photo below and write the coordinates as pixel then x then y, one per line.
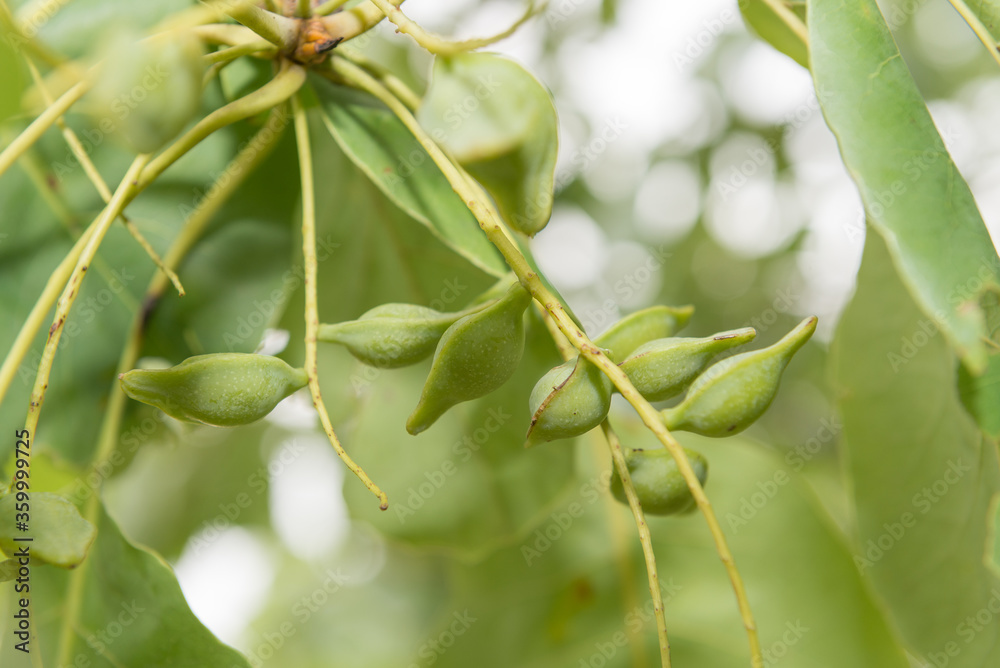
pixel 222 389
pixel 392 335
pixel 476 355
pixel 732 394
pixel 658 484
pixel 147 90
pixel 569 400
pixel 635 329
pixel 663 368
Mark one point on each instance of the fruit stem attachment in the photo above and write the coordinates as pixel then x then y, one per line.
pixel 440 45
pixel 495 232
pixel 311 308
pixel 279 30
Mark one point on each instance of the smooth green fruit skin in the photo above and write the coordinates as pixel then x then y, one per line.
pixel 663 368
pixel 221 389
pixel 569 400
pixel 476 355
pixel 732 394
pixel 392 335
pixel 658 484
pixel 635 329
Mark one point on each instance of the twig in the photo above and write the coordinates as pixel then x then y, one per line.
pixel 311 308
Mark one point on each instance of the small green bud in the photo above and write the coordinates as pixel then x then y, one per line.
pixel 222 389
pixel 475 356
pixel 663 368
pixel 732 394
pixel 660 487
pixel 567 401
pixel 149 88
pixel 392 335
pixel 635 329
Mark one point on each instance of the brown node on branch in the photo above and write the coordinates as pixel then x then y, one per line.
pixel 314 42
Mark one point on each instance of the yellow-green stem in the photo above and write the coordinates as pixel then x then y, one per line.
pixel 353 21
pixel 284 84
pixel 236 172
pixel 311 306
pixel 495 231
pixel 982 32
pixel 329 7
pixel 34 132
pixel 440 45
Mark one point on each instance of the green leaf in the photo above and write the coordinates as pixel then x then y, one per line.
pixel 498 121
pixel 912 191
pixel 981 395
pixel 565 579
pixel 59 536
pixel 783 31
pixel 381 146
pixel 133 613
pixel 12 81
pixel 921 472
pixel 988 13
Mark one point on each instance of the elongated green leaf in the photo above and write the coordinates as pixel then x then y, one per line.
pixel 378 143
pixel 922 473
pixel 784 31
pixel 913 193
pixel 499 122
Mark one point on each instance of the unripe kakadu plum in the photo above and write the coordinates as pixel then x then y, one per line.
pixel 635 329
pixel 147 90
pixel 569 400
pixel 732 394
pixel 391 336
pixel 662 368
pixel 474 357
pixel 221 389
pixel 658 483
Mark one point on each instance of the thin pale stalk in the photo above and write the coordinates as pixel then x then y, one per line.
pixel 95 177
pixel 277 90
pixel 495 232
pixel 311 307
pixel 355 20
pixel 982 32
pixel 34 132
pixel 72 289
pixel 395 85
pixel 790 19
pixel 247 49
pixel 441 45
pixel 236 172
pixel 281 31
pixel 329 7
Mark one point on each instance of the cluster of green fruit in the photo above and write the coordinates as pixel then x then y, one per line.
pixel 478 349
